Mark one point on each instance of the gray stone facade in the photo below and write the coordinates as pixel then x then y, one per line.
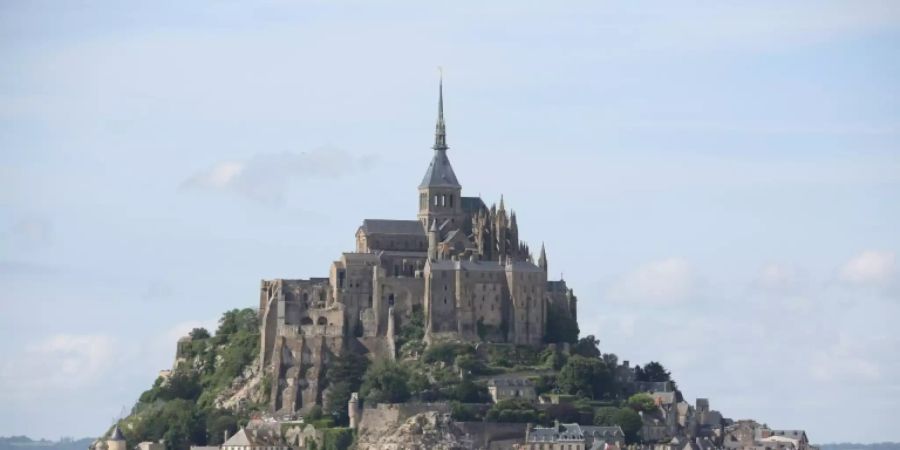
pixel 458 263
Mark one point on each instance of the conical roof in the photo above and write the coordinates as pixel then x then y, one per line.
pixel 116 434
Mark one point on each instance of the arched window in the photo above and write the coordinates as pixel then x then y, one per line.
pixel 322 321
pixel 435 199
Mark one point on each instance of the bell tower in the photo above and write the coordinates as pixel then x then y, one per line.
pixel 439 192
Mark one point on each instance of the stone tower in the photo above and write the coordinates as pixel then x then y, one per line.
pixel 439 192
pixel 116 441
pixel 353 410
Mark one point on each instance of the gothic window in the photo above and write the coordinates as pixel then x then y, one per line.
pixel 435 199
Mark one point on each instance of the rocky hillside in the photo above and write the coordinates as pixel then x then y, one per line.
pixel 213 387
pixel 428 430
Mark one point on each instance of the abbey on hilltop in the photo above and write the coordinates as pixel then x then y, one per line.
pixel 459 264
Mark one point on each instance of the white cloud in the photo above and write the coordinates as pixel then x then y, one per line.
pixel 871 267
pixel 218 176
pixel 844 361
pixel 666 281
pixel 777 277
pixel 268 177
pixel 62 361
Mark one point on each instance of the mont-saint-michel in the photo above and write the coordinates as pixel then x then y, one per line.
pixel 441 330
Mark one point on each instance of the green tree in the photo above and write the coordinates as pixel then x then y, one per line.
pixel 654 371
pixel 217 423
pixel 605 416
pixel 336 402
pixel 237 320
pixel 585 377
pixel 468 392
pixel 588 346
pixel 314 413
pixel 385 382
pixel 199 333
pixel 642 402
pixel 514 410
pixel 348 368
pixel 630 422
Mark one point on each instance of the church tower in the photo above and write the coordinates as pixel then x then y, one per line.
pixel 439 192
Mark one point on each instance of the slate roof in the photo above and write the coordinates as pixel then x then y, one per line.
pixel 116 434
pixel 473 204
pixel 598 431
pixel 564 432
pixel 440 172
pixel 383 226
pixel 239 439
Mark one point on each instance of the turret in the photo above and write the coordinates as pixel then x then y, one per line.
pixel 353 410
pixel 433 241
pixel 542 259
pixel 115 441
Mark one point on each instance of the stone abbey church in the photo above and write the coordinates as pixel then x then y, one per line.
pixel 459 264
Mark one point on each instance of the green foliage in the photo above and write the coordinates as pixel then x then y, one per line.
pixel 337 439
pixel 544 384
pixel 314 414
pixel 464 413
pixel 585 377
pixel 236 321
pixel 515 410
pixel 653 371
pixel 348 368
pixel 560 327
pixel 446 352
pixel 413 330
pixel 217 422
pixel 199 333
pixel 385 382
pixel 180 408
pixel 588 346
pixel 336 402
pixel 630 422
pixel 470 363
pixel 515 356
pixel 604 415
pixel 553 358
pixel 642 402
pixel 468 392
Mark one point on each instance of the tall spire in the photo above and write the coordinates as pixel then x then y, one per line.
pixel 440 129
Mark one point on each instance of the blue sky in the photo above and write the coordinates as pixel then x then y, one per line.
pixel 718 181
